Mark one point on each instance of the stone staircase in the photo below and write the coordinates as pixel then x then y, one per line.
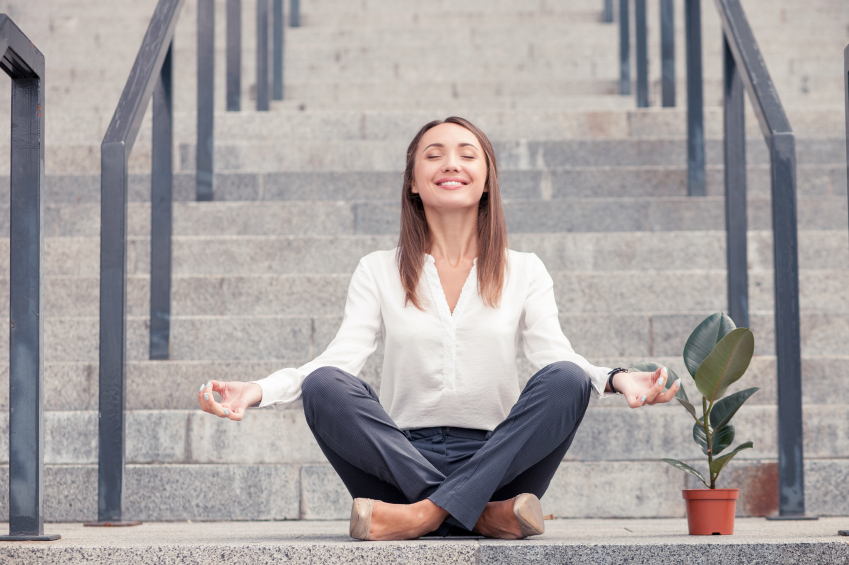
pixel 592 185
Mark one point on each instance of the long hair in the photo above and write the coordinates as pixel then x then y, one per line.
pixel 415 238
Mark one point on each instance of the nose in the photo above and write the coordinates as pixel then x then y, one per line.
pixel 451 163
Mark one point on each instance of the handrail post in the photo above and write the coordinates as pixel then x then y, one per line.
pixel 667 53
pixel 145 78
pixel 695 100
pixel 206 97
pixel 25 66
pixel 735 190
pixel 277 64
pixel 262 83
pixel 607 16
pixel 113 329
pixel 234 55
pixel 846 97
pixel 791 471
pixel 642 52
pixel 781 144
pixel 624 49
pixel 295 13
pixel 161 212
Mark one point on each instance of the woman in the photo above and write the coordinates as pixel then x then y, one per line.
pixel 452 445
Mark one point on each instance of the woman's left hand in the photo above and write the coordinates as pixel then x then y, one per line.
pixel 641 388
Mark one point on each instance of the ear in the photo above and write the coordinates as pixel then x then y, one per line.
pixel 413 188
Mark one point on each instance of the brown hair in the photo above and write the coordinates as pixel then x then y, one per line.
pixel 415 240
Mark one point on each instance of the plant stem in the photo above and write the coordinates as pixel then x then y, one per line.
pixel 709 440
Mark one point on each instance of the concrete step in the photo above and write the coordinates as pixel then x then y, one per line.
pixel 361 155
pixel 641 291
pixel 241 255
pixel 518 154
pixel 275 337
pixel 328 542
pixel 286 122
pixel 602 185
pixel 582 489
pixel 521 154
pixel 172 385
pixel 268 437
pixel 771 26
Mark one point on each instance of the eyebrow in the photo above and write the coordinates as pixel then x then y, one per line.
pixel 441 145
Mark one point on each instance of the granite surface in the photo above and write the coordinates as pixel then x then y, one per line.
pixel 566 541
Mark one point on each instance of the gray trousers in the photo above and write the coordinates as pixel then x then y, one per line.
pixel 458 470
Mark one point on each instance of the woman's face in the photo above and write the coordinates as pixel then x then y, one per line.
pixel 450 168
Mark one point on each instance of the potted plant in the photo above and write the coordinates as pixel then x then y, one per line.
pixel 716 355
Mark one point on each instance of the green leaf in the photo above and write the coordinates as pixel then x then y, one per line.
pixel 690 408
pixel 725 364
pixel 724 409
pixel 721 439
pixel 718 464
pixel 686 468
pixel 651 367
pixel 704 338
pixel 682 394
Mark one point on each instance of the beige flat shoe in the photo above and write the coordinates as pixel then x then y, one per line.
pixel 361 518
pixel 528 511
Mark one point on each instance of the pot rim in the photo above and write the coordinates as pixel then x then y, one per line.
pixel 711 494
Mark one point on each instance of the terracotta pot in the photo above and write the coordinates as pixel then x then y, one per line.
pixel 711 511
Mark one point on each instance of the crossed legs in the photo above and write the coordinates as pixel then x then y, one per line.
pixel 375 459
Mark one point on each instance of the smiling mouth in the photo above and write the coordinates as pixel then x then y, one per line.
pixel 451 184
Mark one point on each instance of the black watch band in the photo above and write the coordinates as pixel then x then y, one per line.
pixel 610 378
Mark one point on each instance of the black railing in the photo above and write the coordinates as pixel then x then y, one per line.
pixel 152 77
pixel 667 50
pixel 695 100
pixel 846 95
pixel 667 53
pixel 24 64
pixel 744 69
pixel 295 13
pixel 234 54
pixel 695 119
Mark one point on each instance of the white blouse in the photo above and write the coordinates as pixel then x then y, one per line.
pixel 439 368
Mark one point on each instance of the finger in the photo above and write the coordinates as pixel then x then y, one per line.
pixel 656 390
pixel 637 400
pixel 236 412
pixel 204 394
pixel 214 407
pixel 669 394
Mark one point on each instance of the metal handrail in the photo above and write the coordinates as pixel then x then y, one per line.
pixel 667 50
pixel 745 68
pixel 151 76
pixel 24 63
pixel 846 96
pixel 234 53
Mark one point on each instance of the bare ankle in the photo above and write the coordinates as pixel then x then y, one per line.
pixel 405 521
pixel 430 515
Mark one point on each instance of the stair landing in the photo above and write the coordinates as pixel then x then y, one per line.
pixel 566 541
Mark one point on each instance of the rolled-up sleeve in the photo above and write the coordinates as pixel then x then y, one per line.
pixel 349 350
pixel 543 338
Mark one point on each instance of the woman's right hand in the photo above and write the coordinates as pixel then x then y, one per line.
pixel 236 397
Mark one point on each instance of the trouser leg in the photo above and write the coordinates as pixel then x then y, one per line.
pixel 372 456
pixel 525 448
